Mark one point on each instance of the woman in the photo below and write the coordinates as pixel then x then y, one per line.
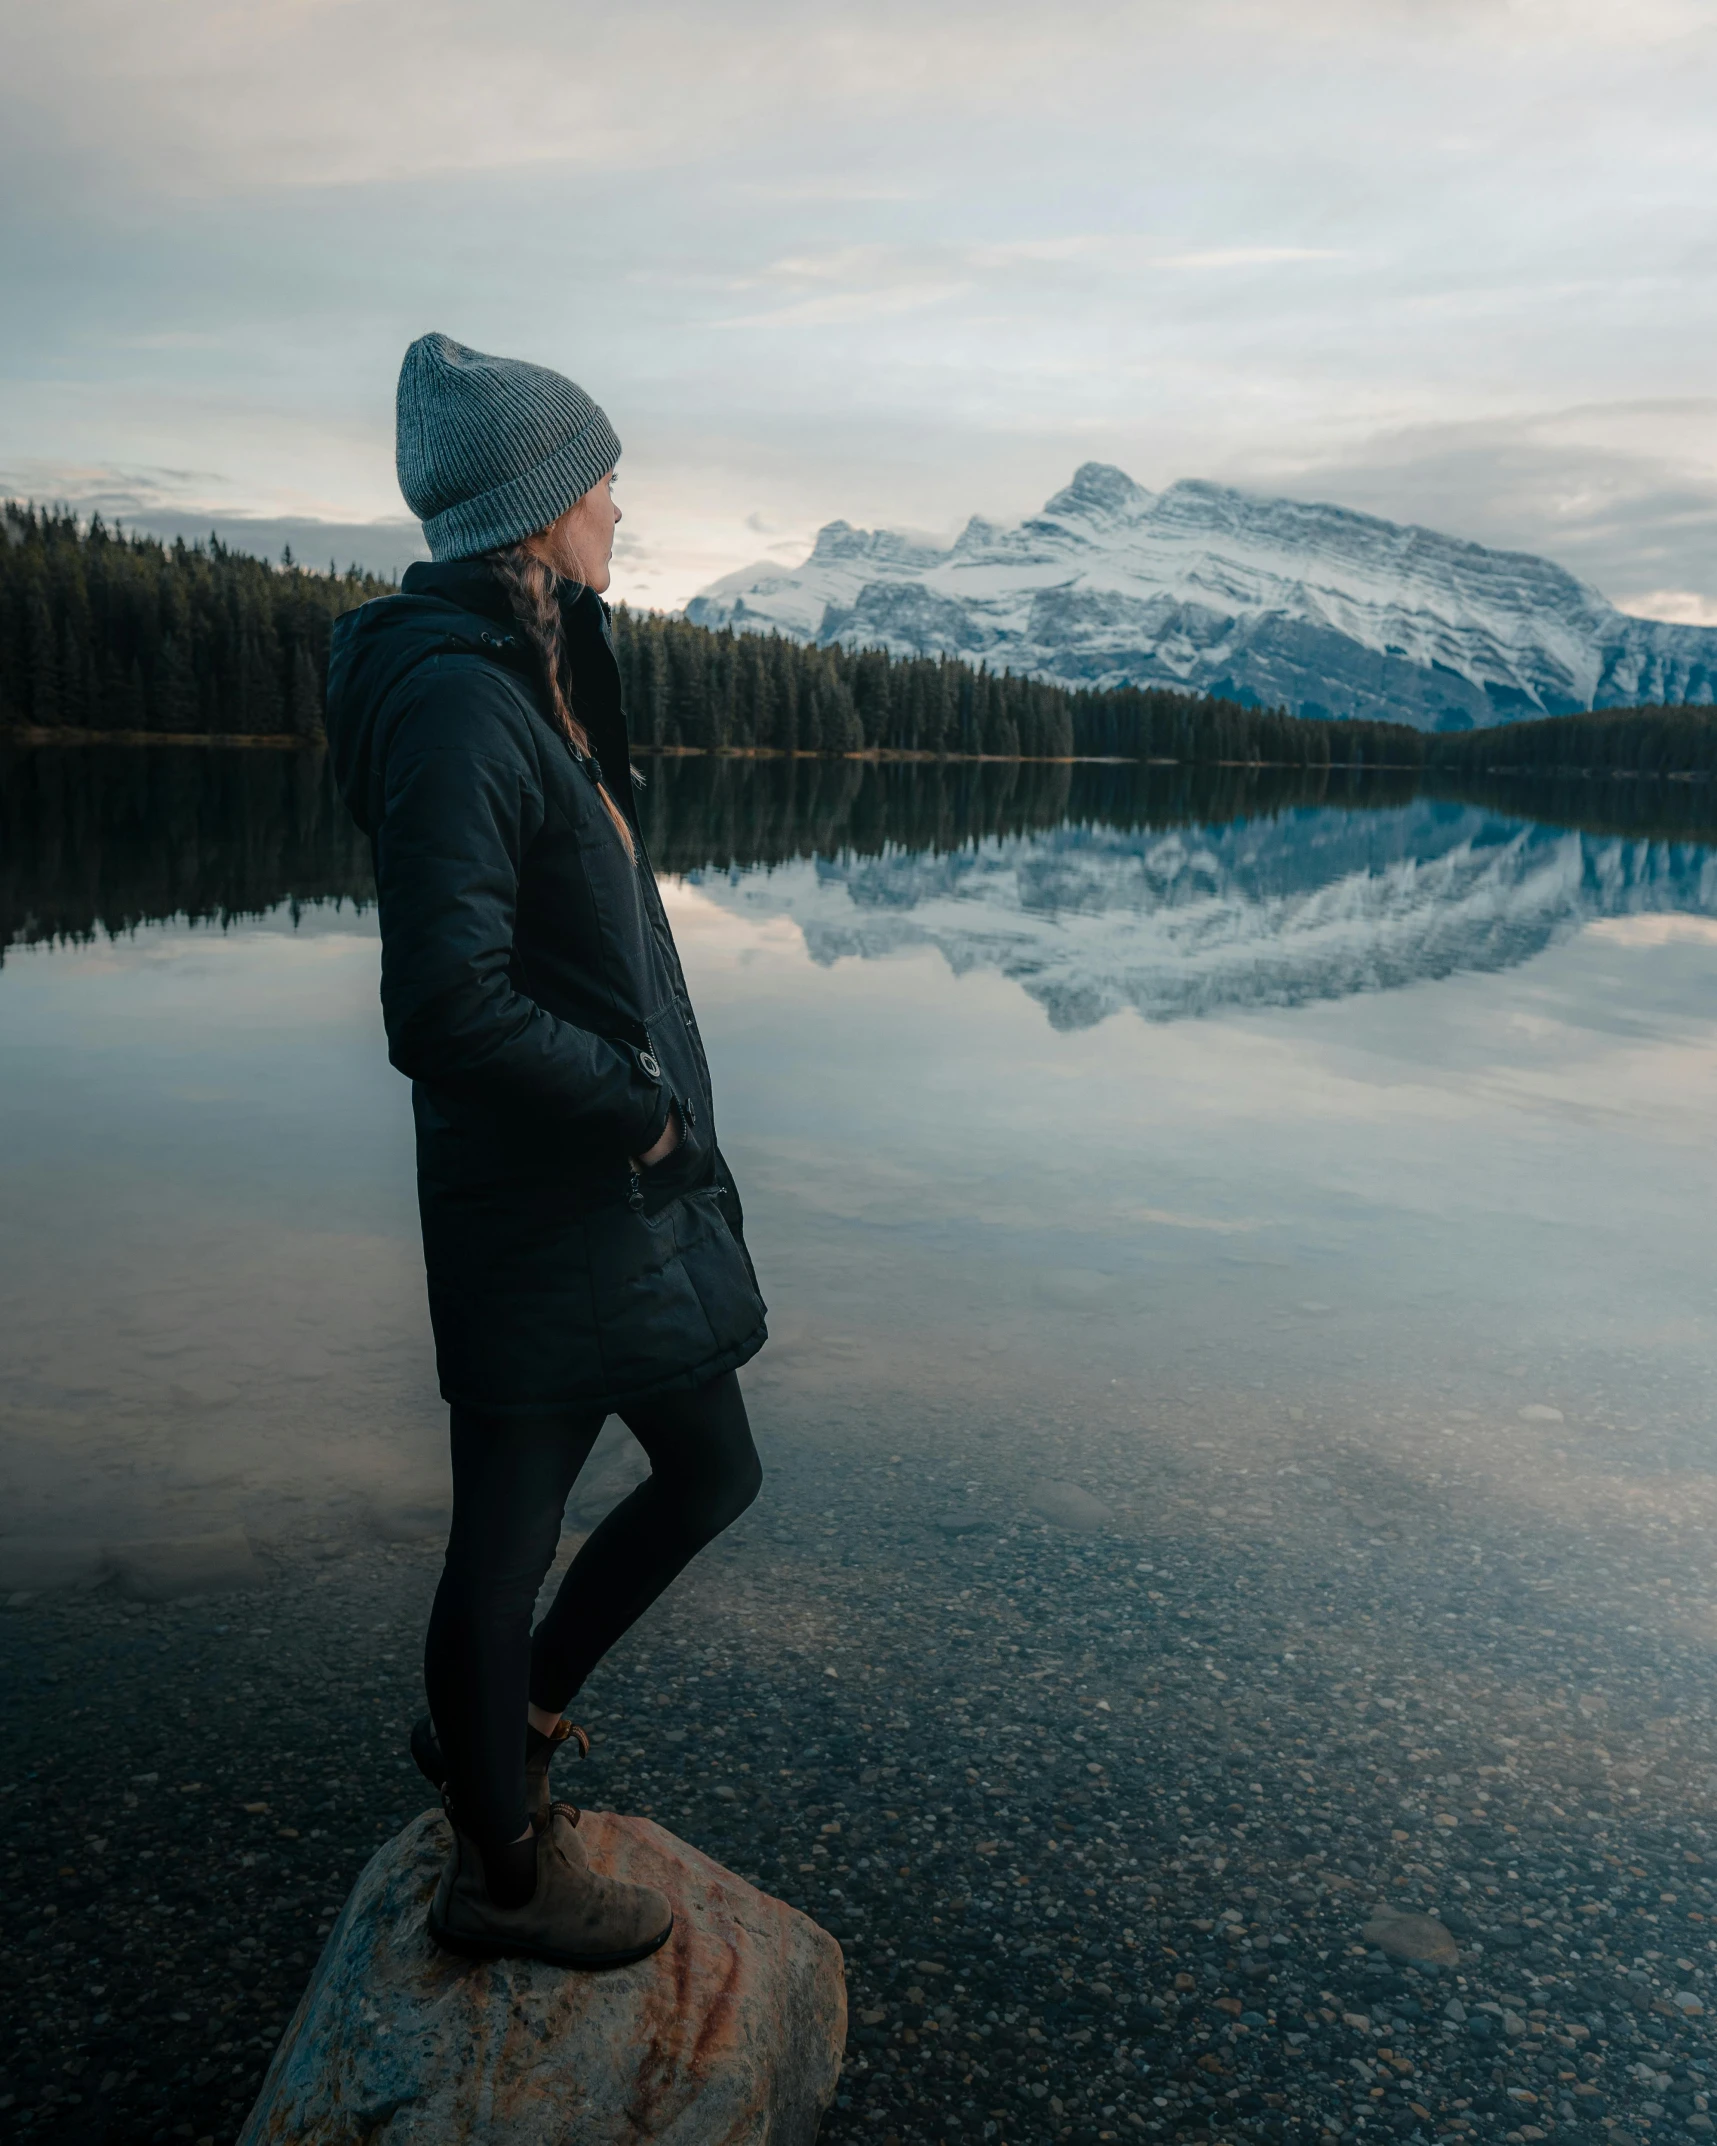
pixel 582 1235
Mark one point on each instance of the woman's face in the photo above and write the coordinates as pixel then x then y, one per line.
pixel 579 546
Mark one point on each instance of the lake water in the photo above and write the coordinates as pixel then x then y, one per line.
pixel 1268 1134
pixel 1238 1430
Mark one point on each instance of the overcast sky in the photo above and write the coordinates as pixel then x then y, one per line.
pixel 1452 261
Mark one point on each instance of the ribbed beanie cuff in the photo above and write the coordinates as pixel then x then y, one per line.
pixel 491 449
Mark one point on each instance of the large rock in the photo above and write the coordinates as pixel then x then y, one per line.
pixel 731 2035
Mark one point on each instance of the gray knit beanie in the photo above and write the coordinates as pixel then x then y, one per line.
pixel 490 449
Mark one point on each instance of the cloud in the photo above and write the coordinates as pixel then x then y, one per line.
pixel 1246 256
pixel 864 307
pixel 1625 495
pixel 884 261
pixel 206 97
pixel 192 504
pixel 114 492
pixel 1681 607
pixel 1137 253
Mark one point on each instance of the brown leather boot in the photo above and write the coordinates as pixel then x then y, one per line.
pixel 575 1918
pixel 539 1755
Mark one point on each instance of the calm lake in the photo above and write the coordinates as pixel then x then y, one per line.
pixel 1239 1440
pixel 1285 1136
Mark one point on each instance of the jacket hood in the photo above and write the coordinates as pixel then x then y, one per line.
pixel 457 608
pixel 453 609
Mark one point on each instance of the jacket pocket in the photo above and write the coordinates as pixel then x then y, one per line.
pixel 669 1293
pixel 721 1269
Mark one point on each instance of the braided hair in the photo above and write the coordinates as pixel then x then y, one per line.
pixel 533 592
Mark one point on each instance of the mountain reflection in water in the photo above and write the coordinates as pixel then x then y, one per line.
pixel 1268 913
pixel 1174 891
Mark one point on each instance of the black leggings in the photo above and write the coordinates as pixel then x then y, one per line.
pixel 511 1479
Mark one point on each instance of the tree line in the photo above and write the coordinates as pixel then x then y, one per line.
pixel 1600 741
pixel 103 630
pixel 710 689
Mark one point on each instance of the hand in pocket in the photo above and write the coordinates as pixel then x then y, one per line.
pixel 665 1144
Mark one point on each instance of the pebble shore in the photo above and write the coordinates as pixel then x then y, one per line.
pixel 1114 1812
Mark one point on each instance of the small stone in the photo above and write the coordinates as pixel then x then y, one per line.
pixel 1540 1412
pixel 1686 2001
pixel 959 1520
pixel 1456 2011
pixel 1070 1506
pixel 1513 2025
pixel 1412 1937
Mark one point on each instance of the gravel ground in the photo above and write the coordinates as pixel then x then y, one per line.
pixel 1098 1791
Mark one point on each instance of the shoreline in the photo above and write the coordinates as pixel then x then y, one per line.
pixel 290 741
pixel 279 741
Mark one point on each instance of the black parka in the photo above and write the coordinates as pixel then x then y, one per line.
pixel 531 991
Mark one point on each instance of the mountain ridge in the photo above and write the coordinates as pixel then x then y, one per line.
pixel 1321 609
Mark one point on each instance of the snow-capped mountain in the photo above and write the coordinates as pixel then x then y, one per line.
pixel 1315 608
pixel 1203 920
